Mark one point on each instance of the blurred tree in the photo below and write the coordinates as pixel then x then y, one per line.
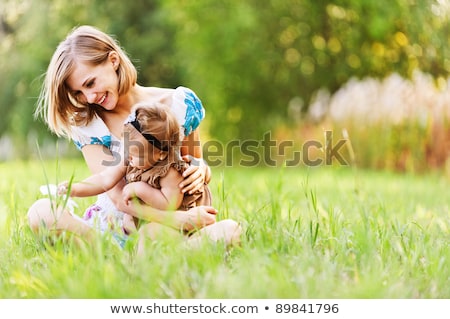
pixel 28 39
pixel 251 62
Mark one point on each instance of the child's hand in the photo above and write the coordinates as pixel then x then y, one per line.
pixel 128 194
pixel 128 224
pixel 52 191
pixel 62 188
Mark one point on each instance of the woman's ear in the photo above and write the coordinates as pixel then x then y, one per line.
pixel 114 58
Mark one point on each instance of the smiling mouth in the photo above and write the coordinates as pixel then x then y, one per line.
pixel 103 98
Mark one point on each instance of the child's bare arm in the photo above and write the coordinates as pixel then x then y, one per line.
pixel 95 184
pixel 169 196
pixel 170 188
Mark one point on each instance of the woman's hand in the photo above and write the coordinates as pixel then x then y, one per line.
pixel 199 217
pixel 196 175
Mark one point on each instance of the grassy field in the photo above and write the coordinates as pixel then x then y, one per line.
pixel 309 233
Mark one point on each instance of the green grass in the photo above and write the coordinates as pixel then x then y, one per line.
pixel 308 233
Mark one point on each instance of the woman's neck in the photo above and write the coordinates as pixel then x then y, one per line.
pixel 126 102
pixel 115 118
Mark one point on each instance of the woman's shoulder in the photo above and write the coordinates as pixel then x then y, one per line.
pixel 165 95
pixel 184 92
pixel 188 109
pixel 96 132
pixel 183 102
pixel 169 95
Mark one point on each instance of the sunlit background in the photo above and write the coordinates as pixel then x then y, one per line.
pixel 375 73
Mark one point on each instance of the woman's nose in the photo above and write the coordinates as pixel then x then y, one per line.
pixel 91 98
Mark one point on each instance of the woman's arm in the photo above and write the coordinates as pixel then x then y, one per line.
pixel 195 218
pixel 191 145
pixel 198 172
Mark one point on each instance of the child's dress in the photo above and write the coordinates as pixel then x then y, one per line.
pixel 103 215
pixel 153 175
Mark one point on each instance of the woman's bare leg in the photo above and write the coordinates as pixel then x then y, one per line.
pixel 44 215
pixel 228 231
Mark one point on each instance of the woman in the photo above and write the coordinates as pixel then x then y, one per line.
pixel 88 93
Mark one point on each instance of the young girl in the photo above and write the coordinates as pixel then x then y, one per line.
pixel 152 165
pixel 88 93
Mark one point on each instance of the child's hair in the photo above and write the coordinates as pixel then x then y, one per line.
pixel 157 119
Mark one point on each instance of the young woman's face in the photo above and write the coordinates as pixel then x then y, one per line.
pixel 95 84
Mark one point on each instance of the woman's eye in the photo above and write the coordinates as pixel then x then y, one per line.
pixel 90 84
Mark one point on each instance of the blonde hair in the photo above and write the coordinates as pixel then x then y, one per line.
pixel 59 109
pixel 158 120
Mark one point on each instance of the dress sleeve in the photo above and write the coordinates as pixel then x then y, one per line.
pixel 95 132
pixel 188 110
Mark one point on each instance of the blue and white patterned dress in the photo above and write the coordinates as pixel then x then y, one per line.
pixel 103 215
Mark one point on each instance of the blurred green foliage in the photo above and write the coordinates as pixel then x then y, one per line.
pixel 247 60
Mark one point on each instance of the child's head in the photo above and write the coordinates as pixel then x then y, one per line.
pixel 152 136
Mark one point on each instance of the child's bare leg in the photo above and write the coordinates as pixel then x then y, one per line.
pixel 226 230
pixel 44 214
